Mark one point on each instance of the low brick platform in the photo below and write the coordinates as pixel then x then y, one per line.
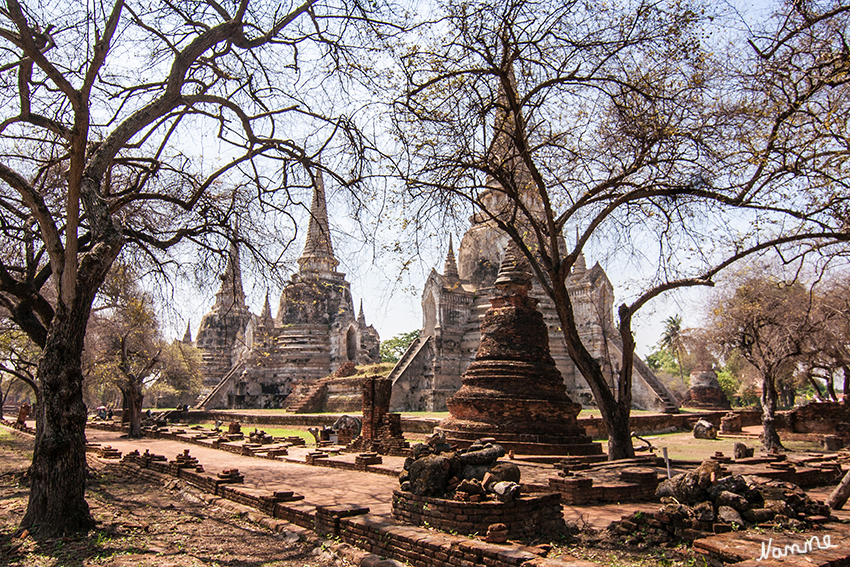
pixel 354 524
pixel 636 485
pixel 744 549
pixel 526 517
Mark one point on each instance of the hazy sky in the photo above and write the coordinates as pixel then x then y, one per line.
pixel 392 304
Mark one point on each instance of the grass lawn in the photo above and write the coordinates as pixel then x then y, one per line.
pixel 273 431
pixel 683 446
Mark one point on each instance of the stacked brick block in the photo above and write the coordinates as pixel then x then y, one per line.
pixel 381 432
pixel 635 485
pixel 527 517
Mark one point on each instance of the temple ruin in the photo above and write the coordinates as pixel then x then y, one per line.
pixel 454 304
pixel 512 392
pixel 252 361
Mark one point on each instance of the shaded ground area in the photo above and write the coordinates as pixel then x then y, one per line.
pixel 143 525
pixel 319 486
pixel 149 524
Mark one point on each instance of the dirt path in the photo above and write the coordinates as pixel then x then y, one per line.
pixel 319 485
pixel 144 525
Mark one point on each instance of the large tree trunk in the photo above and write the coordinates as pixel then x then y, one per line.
pixel 830 385
pixel 615 415
pixel 846 370
pixel 133 399
pixel 788 395
pixel 768 418
pixel 619 433
pixel 57 502
pixel 814 384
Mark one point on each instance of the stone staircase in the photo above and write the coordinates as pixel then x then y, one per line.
pixel 667 397
pixel 307 397
pixel 409 356
pixel 217 396
pixel 671 405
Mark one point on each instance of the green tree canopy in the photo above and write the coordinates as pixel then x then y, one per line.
pixel 392 349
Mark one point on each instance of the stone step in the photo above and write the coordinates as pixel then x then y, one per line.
pixel 522 437
pixel 521 448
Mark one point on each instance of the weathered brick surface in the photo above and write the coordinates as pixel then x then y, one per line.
pixel 513 391
pixel 744 549
pixel 381 431
pixel 405 543
pixel 525 517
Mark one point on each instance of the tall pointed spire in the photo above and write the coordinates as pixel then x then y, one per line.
pixel 580 265
pixel 514 274
pixel 230 293
pixel 266 314
pixel 318 255
pixel 450 270
pixel 361 317
pixel 187 336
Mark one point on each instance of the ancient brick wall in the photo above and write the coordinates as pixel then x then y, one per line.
pixel 355 526
pixel 579 489
pixel 527 517
pixel 818 418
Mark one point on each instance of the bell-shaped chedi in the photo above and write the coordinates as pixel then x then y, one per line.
pixel 705 392
pixel 513 391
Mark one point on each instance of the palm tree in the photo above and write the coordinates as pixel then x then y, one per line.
pixel 672 339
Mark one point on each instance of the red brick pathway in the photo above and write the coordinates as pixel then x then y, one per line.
pixel 320 486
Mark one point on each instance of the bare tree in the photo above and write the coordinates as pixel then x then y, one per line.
pixel 616 122
pixel 833 338
pixel 123 340
pixel 179 380
pixel 18 361
pixel 774 324
pixel 104 108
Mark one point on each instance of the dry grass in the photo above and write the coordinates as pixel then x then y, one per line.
pixel 142 525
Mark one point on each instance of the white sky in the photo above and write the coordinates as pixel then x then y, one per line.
pixel 392 305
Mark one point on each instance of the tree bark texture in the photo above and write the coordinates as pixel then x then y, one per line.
pixel 846 370
pixel 57 502
pixel 841 493
pixel 133 399
pixel 768 405
pixel 615 413
pixel 830 387
pixel 619 433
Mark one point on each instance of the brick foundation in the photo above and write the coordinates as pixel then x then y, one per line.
pixel 636 485
pixel 355 526
pixel 527 517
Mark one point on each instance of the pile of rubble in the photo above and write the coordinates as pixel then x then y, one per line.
pixel 260 437
pixel 469 492
pixel 435 469
pixel 703 501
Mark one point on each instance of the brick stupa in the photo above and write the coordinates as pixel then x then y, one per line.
pixel 512 391
pixel 705 392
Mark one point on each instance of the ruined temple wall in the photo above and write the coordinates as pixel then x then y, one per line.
pixel 218 334
pixel 410 389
